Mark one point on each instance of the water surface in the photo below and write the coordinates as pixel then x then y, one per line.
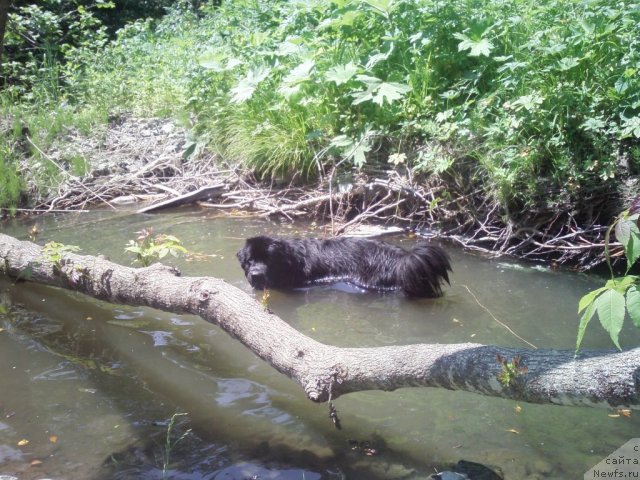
pixel 93 386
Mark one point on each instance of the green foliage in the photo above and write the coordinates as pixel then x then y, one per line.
pixel 54 252
pixel 148 248
pixel 511 370
pixel 11 182
pixel 544 105
pixel 42 37
pixel 621 295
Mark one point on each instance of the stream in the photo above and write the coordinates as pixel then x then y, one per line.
pixel 91 390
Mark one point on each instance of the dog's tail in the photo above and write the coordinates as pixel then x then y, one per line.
pixel 422 271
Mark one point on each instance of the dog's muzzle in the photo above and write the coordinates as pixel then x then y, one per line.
pixel 257 278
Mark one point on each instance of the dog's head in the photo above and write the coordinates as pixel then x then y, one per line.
pixel 267 262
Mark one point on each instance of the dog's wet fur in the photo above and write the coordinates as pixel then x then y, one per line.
pixel 285 263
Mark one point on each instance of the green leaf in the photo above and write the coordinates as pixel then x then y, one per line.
pixel 382 7
pixel 611 309
pixel 342 141
pixel 588 299
pixel 633 304
pixel 584 321
pixel 291 83
pixel 341 73
pixel 363 96
pixel 632 247
pixel 359 154
pixel 567 63
pixel 369 80
pixel 247 85
pixel 218 61
pixel 300 73
pixel 390 92
pixel 623 231
pixel 476 48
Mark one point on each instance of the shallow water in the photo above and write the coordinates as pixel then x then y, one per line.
pixel 93 386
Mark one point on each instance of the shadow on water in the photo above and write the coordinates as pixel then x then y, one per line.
pixel 92 386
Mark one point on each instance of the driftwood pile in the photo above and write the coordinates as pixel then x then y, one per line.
pixel 145 161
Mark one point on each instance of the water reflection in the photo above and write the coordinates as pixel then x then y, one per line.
pixel 104 380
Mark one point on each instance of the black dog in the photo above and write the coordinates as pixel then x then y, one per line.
pixel 280 263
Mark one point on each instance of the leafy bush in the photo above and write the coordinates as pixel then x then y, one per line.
pixel 546 107
pixel 11 182
pixel 526 90
pixel 621 295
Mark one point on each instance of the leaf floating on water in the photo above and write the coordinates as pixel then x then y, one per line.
pixel 53 439
pixel 23 442
pixel 513 430
pixel 621 412
pixel 517 408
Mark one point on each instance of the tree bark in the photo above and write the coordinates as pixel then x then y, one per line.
pixel 4 15
pixel 593 378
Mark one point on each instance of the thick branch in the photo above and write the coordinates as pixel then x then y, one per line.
pixel 592 379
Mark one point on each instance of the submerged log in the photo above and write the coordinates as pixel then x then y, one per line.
pixel 208 193
pixel 593 378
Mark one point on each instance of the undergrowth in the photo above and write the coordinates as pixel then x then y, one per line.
pixel 542 99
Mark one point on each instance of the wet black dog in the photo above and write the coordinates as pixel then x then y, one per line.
pixel 279 263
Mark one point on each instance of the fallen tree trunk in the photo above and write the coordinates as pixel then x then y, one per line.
pixel 595 378
pixel 204 192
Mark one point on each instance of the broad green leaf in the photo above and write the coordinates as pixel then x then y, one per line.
pixel 246 86
pixel 342 141
pixel 346 19
pixel 588 299
pixel 631 127
pixel 382 7
pixel 623 231
pixel 378 57
pixel 632 247
pixel 213 61
pixel 218 61
pixel 363 96
pixel 359 154
pixel 611 309
pixel 584 321
pixel 341 73
pixel 300 73
pixel 291 83
pixel 621 284
pixel 390 92
pixel 369 80
pixel 567 63
pixel 476 48
pixel 633 304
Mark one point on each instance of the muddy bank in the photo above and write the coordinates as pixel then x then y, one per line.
pixel 153 160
